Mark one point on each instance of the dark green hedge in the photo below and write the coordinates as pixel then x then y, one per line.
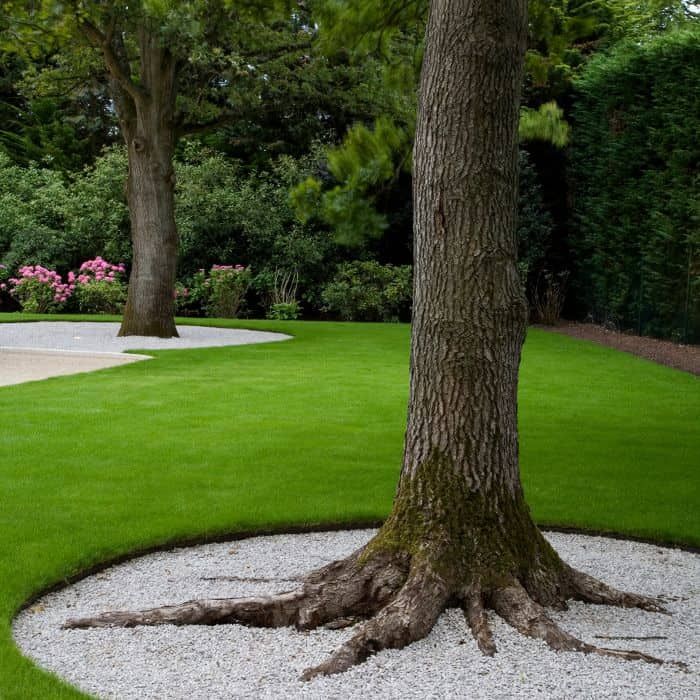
pixel 635 160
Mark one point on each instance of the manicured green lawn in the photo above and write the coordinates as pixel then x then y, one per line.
pixel 205 442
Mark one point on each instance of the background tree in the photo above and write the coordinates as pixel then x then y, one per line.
pixel 459 529
pixel 172 68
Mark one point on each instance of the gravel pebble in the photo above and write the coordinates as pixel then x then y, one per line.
pixel 232 661
pixel 102 337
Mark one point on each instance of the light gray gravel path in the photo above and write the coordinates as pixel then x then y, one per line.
pixel 231 661
pixel 30 351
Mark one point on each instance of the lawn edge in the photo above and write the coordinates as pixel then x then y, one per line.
pixel 308 528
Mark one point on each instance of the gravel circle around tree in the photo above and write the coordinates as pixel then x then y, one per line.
pixel 102 337
pixel 232 661
pixel 42 349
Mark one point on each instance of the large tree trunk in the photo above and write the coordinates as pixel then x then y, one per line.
pixel 470 312
pixel 149 131
pixel 459 532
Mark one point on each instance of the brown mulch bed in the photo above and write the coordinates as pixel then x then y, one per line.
pixel 664 352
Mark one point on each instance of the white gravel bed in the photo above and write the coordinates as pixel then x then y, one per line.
pixel 231 661
pixel 28 365
pixel 102 337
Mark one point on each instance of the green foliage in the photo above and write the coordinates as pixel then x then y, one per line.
pixel 227 287
pixel 534 226
pixel 368 291
pixel 218 293
pixel 642 19
pixel 224 213
pixel 64 134
pixel 101 297
pixel 231 59
pixel 7 302
pixel 31 225
pixel 59 221
pixel 544 124
pixel 562 33
pixel 95 213
pixel 635 167
pixel 284 311
pixel 35 297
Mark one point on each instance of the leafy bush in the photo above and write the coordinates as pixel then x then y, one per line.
pixel 635 160
pixel 183 301
pixel 56 221
pixel 281 292
pixel 40 290
pixel 218 293
pixel 31 225
pixel 368 291
pixel 227 287
pixel 284 311
pixel 4 286
pixel 223 212
pixel 99 288
pixel 101 297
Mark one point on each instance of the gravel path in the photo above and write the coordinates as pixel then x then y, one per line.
pixel 31 351
pixel 231 661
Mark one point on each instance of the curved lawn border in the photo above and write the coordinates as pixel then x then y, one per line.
pixel 238 535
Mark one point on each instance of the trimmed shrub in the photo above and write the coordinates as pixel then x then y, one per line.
pixel 636 179
pixel 368 291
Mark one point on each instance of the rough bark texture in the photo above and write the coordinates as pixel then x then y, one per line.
pixel 460 532
pixel 146 112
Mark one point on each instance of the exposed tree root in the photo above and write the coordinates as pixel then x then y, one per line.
pixel 590 590
pixel 516 607
pixel 397 599
pixel 407 618
pixel 475 614
pixel 340 590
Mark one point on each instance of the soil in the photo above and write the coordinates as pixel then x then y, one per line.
pixel 663 352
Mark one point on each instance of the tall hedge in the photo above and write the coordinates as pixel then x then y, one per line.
pixel 635 163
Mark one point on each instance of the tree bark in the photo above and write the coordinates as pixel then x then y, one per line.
pixel 147 121
pixel 460 532
pixel 470 312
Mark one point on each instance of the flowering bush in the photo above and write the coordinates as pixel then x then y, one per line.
pixel 227 287
pixel 40 290
pixel 218 293
pixel 99 287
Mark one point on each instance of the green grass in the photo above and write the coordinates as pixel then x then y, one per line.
pixel 205 442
